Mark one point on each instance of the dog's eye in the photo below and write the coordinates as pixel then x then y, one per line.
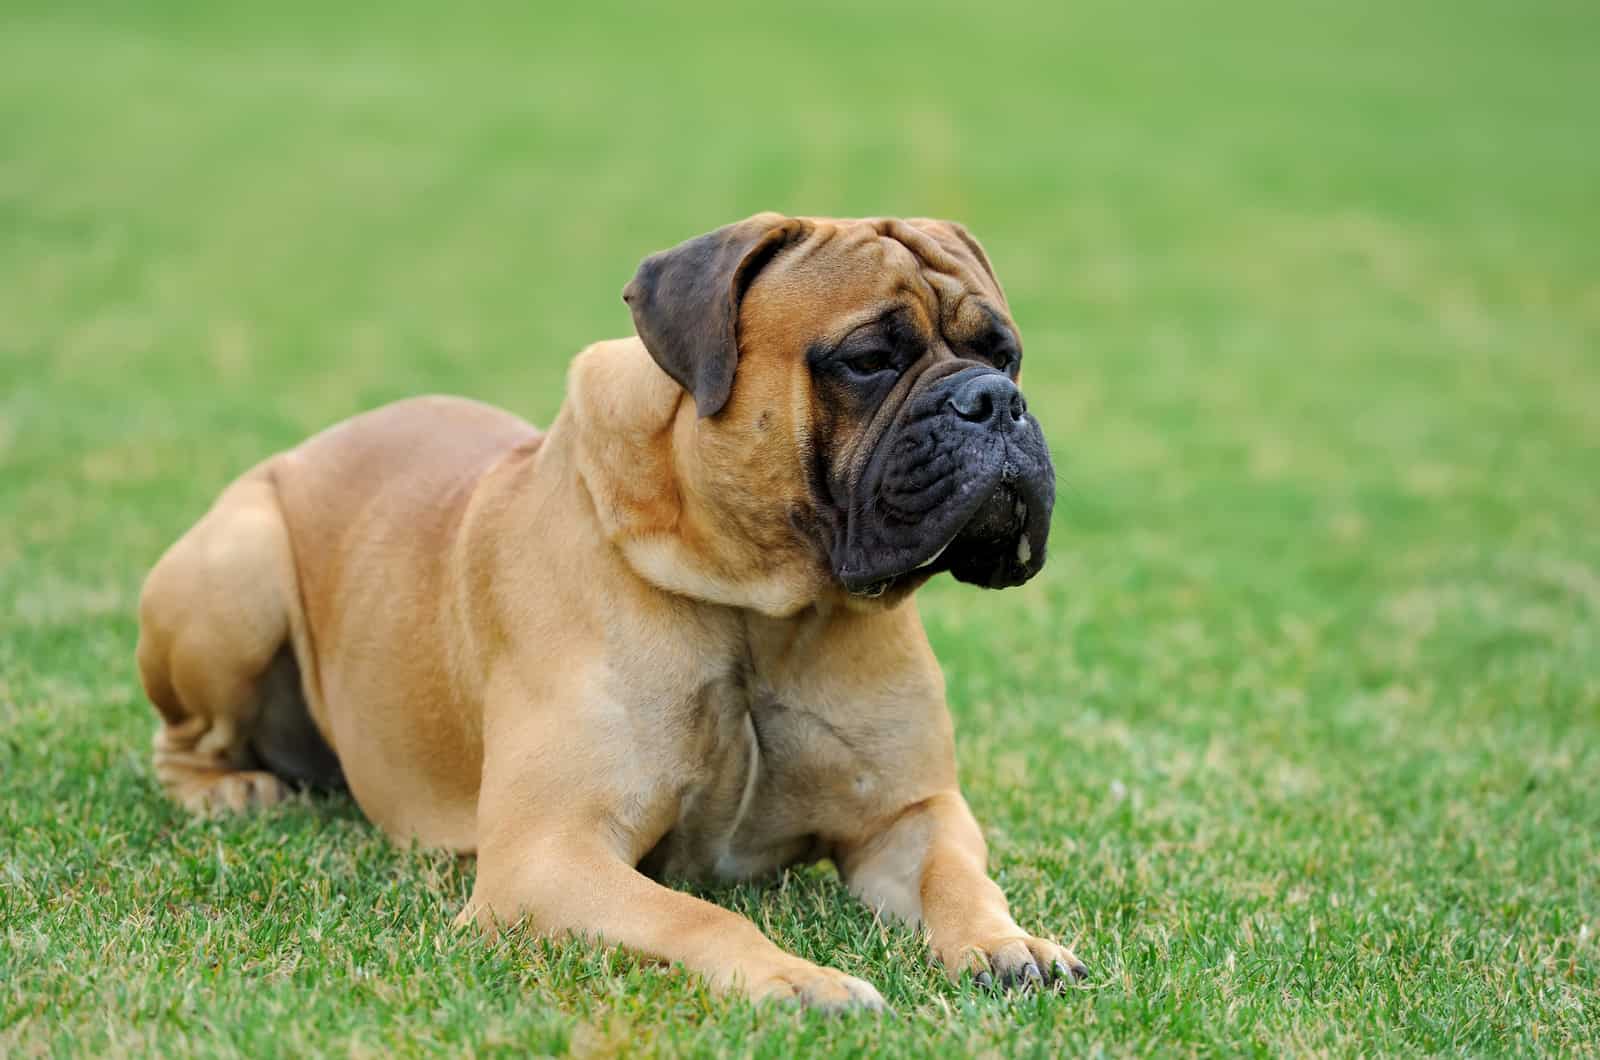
pixel 1002 356
pixel 870 362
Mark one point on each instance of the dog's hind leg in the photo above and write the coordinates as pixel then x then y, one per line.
pixel 214 636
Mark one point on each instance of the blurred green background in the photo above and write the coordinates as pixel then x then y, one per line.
pixel 1296 738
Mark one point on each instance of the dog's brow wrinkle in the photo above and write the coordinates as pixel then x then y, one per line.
pixel 912 280
pixel 943 275
pixel 953 314
pixel 820 237
pixel 928 250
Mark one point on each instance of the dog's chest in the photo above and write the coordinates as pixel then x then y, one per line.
pixel 773 782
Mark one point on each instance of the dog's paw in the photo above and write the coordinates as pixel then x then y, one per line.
pixel 814 986
pixel 1015 962
pixel 218 793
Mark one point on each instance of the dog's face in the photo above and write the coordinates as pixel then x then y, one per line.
pixel 858 378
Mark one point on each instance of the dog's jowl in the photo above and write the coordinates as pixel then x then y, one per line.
pixel 672 636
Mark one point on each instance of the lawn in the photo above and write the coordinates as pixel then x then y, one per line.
pixel 1296 739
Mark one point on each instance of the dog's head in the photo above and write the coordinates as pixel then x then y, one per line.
pixel 858 380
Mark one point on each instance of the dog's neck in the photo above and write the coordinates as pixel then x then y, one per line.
pixel 631 432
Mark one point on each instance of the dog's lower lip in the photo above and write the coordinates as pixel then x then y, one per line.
pixel 877 588
pixel 1015 513
pixel 931 560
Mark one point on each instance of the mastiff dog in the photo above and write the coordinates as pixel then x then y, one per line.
pixel 671 637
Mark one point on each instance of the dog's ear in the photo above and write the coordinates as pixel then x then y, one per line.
pixel 685 302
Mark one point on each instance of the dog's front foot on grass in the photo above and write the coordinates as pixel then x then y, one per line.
pixel 1017 962
pixel 815 987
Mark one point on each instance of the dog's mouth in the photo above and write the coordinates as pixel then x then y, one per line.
pixel 962 482
pixel 1000 543
pixel 994 548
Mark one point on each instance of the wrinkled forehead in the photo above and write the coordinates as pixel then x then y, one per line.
pixel 848 273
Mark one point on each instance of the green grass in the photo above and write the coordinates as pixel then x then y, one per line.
pixel 1296 739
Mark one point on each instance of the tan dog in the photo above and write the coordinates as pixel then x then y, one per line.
pixel 670 637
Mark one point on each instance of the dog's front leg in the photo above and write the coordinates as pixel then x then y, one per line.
pixel 927 866
pixel 550 858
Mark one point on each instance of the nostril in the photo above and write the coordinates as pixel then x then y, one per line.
pixel 973 403
pixel 1018 406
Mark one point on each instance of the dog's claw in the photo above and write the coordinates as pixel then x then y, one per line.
pixel 1024 977
pixel 1066 973
pixel 1022 964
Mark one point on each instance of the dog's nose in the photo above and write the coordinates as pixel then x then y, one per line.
pixel 989 398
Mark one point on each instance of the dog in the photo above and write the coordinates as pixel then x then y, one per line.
pixel 672 637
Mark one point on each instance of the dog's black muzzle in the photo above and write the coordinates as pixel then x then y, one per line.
pixel 963 482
